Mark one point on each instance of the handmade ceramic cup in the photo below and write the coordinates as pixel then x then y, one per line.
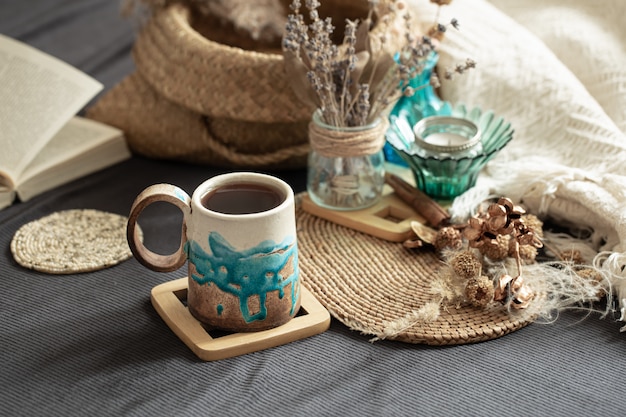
pixel 239 240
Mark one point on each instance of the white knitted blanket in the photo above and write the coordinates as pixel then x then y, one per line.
pixel 557 70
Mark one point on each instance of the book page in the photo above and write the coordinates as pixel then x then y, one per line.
pixel 38 95
pixel 77 136
pixel 81 147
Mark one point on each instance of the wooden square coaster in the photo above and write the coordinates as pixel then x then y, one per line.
pixel 388 219
pixel 169 301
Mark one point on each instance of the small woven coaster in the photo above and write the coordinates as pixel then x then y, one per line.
pixel 72 241
pixel 366 282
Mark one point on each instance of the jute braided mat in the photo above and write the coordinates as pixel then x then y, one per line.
pixel 365 282
pixel 72 241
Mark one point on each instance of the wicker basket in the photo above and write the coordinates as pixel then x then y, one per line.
pixel 204 93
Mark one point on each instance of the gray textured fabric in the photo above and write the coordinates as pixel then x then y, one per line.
pixel 91 344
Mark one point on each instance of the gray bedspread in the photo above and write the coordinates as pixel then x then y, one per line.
pixel 92 344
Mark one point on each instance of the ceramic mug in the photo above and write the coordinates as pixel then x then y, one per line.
pixel 239 240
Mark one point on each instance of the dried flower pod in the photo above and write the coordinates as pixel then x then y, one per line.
pixel 527 237
pixel 513 291
pixel 517 283
pixel 508 229
pixel 496 210
pixel 466 264
pixel 513 212
pixel 517 212
pixel 507 203
pixel 448 238
pixel 495 224
pixel 475 223
pixel 522 297
pixel 532 222
pixel 479 291
pixel 497 248
pixel 595 277
pixel 474 231
pixel 501 290
pixel 423 232
pixel 528 253
pixel 572 255
pixel 473 236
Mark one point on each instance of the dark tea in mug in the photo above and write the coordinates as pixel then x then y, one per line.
pixel 242 198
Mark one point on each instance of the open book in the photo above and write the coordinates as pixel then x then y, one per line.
pixel 43 144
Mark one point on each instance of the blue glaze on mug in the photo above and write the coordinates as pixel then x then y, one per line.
pixel 181 195
pixel 254 271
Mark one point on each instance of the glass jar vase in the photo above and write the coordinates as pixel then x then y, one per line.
pixel 346 165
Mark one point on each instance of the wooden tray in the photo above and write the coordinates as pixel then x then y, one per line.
pixel 169 301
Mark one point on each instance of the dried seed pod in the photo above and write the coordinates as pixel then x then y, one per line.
pixel 528 238
pixel 517 211
pixel 496 210
pixel 479 291
pixel 472 234
pixel 497 248
pixel 474 231
pixel 448 238
pixel 423 232
pixel 595 277
pixel 522 297
pixel 532 222
pixel 508 229
pixel 572 255
pixel 475 223
pixel 513 212
pixel 517 283
pixel 497 223
pixel 466 264
pixel 501 290
pixel 528 253
pixel 506 202
pixel 513 291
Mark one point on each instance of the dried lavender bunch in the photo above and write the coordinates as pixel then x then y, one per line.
pixel 352 84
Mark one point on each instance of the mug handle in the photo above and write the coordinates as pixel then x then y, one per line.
pixel 169 194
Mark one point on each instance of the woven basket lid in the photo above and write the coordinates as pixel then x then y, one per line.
pixel 194 69
pixel 366 282
pixel 72 241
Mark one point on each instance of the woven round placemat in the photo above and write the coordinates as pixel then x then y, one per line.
pixel 72 241
pixel 366 282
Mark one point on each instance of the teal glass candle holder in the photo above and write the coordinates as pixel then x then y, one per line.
pixel 446 136
pixel 423 103
pixel 443 170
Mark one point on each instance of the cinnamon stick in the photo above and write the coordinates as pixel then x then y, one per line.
pixel 435 215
